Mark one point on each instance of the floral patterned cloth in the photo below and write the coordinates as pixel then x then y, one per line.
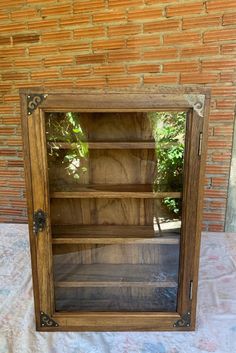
pixel 216 324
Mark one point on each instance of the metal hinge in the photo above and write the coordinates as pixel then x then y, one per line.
pixel 200 144
pixel 191 290
pixel 39 221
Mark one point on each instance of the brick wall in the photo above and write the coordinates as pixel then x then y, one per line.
pixel 118 43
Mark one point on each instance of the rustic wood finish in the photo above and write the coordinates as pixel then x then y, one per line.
pixel 131 229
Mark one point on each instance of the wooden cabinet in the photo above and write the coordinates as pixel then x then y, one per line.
pixel 114 185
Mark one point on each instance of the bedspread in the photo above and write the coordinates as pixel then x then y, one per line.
pixel 216 312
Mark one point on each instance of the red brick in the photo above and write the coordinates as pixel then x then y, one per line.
pixel 217 204
pixel 109 44
pixel 224 116
pixel 228 77
pixel 74 21
pixel 58 10
pixel 25 38
pixel 26 63
pixel 200 51
pixel 91 82
pixel 144 14
pixel 161 79
pixel 14 76
pixel 228 49
pixel 109 16
pixel 75 72
pixel 11 3
pixel 5 40
pixel 215 194
pixel 220 5
pixel 143 68
pixel 214 216
pixel 185 9
pixel 43 24
pixel 123 55
pixel 199 78
pixel 55 36
pixel 12 28
pixel 219 35
pixel 202 21
pixel 91 32
pixel 224 91
pixel 44 74
pixel 123 30
pixel 43 50
pixel 58 61
pixel 223 131
pixel 74 47
pixel 218 65
pixel 143 41
pixel 222 158
pixel 229 19
pixel 4 16
pixel 59 84
pixel 19 15
pixel 217 169
pixel 216 227
pixel 182 38
pixel 182 66
pixel 123 81
pixel 124 3
pixel 90 58
pixel 161 26
pixel 160 54
pixel 225 104
pixel 88 6
pixel 108 70
pixel 219 143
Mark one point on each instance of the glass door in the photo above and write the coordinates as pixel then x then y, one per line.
pixel 115 184
pixel 114 191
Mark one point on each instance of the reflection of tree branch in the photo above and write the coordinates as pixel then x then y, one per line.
pixel 66 128
pixel 169 132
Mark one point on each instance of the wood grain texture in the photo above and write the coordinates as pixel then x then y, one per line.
pixel 122 211
pixel 39 181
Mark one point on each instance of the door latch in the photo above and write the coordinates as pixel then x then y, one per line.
pixel 200 144
pixel 39 221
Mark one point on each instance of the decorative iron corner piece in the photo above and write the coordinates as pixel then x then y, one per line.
pixel 197 101
pixel 39 221
pixel 33 101
pixel 185 321
pixel 46 321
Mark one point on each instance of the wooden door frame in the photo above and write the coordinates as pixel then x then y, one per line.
pixel 36 101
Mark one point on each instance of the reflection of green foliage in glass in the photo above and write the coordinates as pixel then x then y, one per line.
pixel 66 128
pixel 169 130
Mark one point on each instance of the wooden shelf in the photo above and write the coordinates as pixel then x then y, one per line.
pixel 110 275
pixel 108 145
pixel 98 234
pixel 113 191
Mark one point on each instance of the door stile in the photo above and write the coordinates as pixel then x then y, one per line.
pixel 190 233
pixel 41 202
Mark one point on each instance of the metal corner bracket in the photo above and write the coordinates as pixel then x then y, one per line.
pixel 184 321
pixel 46 321
pixel 33 101
pixel 197 101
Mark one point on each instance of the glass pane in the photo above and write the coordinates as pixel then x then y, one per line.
pixel 116 182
